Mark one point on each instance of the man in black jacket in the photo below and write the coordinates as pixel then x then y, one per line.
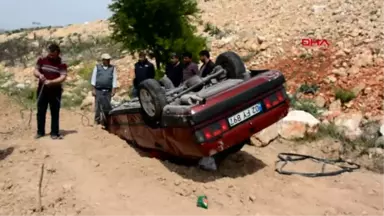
pixel 208 65
pixel 143 70
pixel 174 70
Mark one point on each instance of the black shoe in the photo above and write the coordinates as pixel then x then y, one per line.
pixel 38 136
pixel 56 136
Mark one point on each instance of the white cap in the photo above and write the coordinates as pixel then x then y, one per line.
pixel 105 56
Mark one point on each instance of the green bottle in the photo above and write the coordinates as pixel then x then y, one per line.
pixel 202 202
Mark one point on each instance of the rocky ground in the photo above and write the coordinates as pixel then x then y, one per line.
pixel 337 107
pixel 93 172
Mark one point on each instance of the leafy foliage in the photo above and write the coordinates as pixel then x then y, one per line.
pixel 157 26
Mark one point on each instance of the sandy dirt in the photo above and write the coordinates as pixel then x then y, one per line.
pixel 92 172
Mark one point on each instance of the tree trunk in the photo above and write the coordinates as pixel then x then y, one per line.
pixel 157 59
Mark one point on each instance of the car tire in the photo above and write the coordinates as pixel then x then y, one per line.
pixel 152 99
pixel 194 81
pixel 232 63
pixel 167 83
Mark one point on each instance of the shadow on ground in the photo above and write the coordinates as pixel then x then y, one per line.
pixel 67 132
pixel 235 165
pixel 6 152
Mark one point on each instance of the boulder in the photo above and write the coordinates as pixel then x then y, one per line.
pixel 349 124
pixel 88 101
pixel 297 124
pixel 335 106
pixel 370 130
pixel 320 101
pixel 379 143
pixel 266 136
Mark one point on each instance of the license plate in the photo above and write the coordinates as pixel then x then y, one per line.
pixel 245 114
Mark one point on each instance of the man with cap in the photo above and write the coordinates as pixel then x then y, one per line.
pixel 104 82
pixel 174 70
pixel 144 69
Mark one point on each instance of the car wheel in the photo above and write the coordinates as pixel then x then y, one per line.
pixel 152 99
pixel 167 83
pixel 232 63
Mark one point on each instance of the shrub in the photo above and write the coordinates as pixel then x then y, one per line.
pixel 85 72
pixel 344 95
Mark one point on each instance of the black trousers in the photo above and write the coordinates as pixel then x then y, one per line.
pixel 48 96
pixel 102 104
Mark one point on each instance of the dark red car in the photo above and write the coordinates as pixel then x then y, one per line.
pixel 205 117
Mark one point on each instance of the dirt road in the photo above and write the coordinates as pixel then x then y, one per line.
pixel 93 172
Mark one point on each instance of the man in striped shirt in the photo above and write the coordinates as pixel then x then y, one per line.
pixel 51 72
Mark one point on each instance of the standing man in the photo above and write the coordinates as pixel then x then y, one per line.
pixel 208 65
pixel 190 68
pixel 51 72
pixel 104 82
pixel 174 70
pixel 143 70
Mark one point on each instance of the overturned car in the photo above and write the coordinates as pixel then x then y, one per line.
pixel 205 117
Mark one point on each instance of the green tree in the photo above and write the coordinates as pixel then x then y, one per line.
pixel 156 26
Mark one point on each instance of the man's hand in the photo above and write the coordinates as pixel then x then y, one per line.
pixel 113 92
pixel 94 92
pixel 42 77
pixel 48 82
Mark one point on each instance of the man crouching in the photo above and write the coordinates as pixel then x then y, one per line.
pixel 104 82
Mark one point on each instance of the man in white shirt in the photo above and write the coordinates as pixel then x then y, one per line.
pixel 104 82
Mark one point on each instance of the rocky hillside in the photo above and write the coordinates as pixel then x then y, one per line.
pixel 347 74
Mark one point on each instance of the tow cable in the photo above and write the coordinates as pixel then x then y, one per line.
pixel 284 158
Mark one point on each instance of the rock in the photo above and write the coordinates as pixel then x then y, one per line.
pixel 7 84
pixel 367 91
pixel 353 70
pixel 254 47
pixel 88 101
pixel 375 152
pixel 364 59
pixel 318 8
pixel 340 72
pixel 335 106
pixel 330 79
pixel 370 131
pixel 267 135
pixel 297 124
pixel 260 39
pixel 320 101
pixel 379 143
pixel 357 89
pixel 332 148
pixel 67 188
pixel 349 124
pixel 20 86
